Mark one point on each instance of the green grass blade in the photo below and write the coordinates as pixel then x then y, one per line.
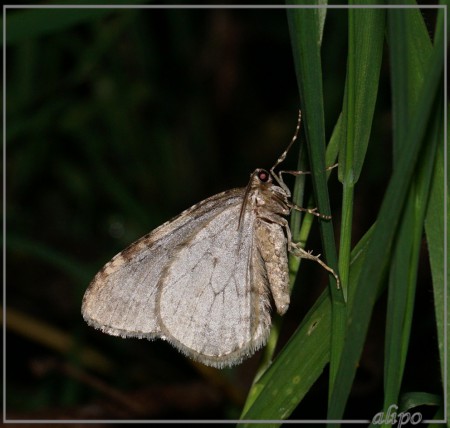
pixel 410 50
pixel 365 47
pixel 410 400
pixel 403 274
pixel 437 227
pixel 366 32
pixel 403 271
pixel 437 240
pixel 380 249
pixel 304 26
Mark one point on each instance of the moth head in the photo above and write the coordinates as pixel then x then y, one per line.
pixel 260 180
pixel 261 176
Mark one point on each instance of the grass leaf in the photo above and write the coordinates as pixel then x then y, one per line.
pixel 437 241
pixel 365 46
pixel 304 26
pixel 404 266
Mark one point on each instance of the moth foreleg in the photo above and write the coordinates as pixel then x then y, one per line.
pixel 312 211
pixel 296 173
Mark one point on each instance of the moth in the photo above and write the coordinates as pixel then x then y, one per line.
pixel 204 281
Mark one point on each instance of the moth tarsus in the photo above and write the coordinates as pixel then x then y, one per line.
pixel 302 253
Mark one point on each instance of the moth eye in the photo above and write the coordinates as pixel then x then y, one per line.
pixel 263 176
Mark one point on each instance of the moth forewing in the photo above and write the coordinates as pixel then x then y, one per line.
pixel 121 299
pixel 193 281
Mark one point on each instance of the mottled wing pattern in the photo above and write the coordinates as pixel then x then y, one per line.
pixel 213 295
pixel 121 298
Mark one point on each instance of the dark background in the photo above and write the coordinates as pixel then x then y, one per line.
pixel 118 123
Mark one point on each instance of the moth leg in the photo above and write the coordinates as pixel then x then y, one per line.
pixel 280 181
pixel 295 173
pixel 300 252
pixel 312 211
pixel 297 250
pixel 275 218
pixel 279 177
pixel 329 168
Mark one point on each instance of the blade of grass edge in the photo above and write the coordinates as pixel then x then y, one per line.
pixel 436 229
pixel 366 34
pixel 305 39
pixel 365 41
pixel 403 271
pixel 403 275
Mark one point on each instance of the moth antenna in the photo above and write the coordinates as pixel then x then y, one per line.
pixel 278 178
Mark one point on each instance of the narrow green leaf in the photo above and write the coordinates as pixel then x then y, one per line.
pixel 410 400
pixel 410 49
pixel 366 33
pixel 304 26
pixel 365 47
pixel 404 266
pixel 403 274
pixel 437 241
